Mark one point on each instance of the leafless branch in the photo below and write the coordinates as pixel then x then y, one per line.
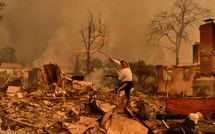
pixel 173 23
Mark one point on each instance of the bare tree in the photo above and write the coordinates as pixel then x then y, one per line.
pixel 174 24
pixel 95 35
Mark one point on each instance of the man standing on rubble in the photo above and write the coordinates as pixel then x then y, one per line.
pixel 125 76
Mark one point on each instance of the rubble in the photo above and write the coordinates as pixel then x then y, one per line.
pixel 62 105
pixel 43 115
pixel 14 82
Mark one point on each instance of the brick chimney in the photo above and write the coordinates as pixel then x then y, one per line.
pixel 207 47
pixel 196 53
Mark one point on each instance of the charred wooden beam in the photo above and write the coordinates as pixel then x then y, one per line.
pixel 21 123
pixel 15 82
pixel 171 116
pixel 52 74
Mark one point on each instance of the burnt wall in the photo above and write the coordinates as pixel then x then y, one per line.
pixel 203 87
pixel 192 105
pixel 178 85
pixel 52 74
pixel 206 63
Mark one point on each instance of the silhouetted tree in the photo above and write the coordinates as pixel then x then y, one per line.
pixel 96 63
pixel 95 35
pixel 7 54
pixel 173 24
pixel 144 72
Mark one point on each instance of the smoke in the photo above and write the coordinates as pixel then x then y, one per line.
pixel 38 30
pixel 97 78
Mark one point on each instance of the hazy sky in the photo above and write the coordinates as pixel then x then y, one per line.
pixel 46 31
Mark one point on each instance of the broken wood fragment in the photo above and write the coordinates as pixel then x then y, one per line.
pixel 21 123
pixel 108 97
pixel 15 82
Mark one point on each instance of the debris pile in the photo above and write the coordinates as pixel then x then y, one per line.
pixel 56 104
pixel 32 114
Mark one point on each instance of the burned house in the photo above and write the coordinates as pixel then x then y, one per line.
pixel 194 82
pixel 203 84
pixel 12 71
pixel 176 80
pixel 196 79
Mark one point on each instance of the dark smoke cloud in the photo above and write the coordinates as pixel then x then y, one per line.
pixel 46 31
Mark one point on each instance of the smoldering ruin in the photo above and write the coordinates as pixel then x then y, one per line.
pixel 51 101
pixel 47 101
